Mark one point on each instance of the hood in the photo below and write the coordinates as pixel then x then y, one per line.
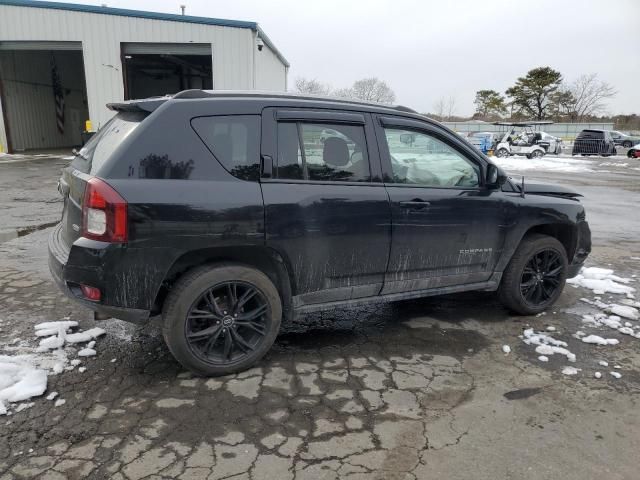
pixel 550 190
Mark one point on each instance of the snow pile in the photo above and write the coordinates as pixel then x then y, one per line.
pixel 601 319
pixel 60 335
pixel 602 280
pixel 24 375
pixel 570 370
pixel 548 163
pixel 546 344
pixel 595 339
pixel 19 380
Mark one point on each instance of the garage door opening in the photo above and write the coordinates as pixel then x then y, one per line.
pixel 43 95
pixel 155 69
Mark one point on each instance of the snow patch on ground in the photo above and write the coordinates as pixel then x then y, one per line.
pixel 601 281
pixel 570 370
pixel 546 344
pixel 595 339
pixel 548 163
pixel 24 374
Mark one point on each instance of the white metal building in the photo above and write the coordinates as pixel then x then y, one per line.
pixel 91 55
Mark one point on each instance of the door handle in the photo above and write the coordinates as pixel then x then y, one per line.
pixel 266 170
pixel 415 204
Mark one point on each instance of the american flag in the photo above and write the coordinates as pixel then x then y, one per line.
pixel 58 95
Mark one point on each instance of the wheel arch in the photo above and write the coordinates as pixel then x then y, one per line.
pixel 565 233
pixel 266 260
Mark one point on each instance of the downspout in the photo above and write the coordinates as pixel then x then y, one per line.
pixel 254 38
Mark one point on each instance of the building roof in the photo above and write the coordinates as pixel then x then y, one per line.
pixel 124 12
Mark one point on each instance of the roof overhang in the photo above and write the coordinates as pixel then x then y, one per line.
pixel 124 12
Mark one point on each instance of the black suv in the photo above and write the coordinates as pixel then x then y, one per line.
pixel 594 142
pixel 229 213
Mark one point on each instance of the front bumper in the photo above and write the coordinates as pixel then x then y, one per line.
pixel 68 281
pixel 582 251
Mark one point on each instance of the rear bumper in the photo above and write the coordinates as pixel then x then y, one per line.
pixel 68 279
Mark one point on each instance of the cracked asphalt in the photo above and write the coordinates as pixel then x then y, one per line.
pixel 410 390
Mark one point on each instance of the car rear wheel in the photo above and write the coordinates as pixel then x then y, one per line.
pixel 631 153
pixel 537 154
pixel 221 319
pixel 535 276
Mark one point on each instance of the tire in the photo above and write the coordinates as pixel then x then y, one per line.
pixel 537 154
pixel 206 295
pixel 515 291
pixel 502 153
pixel 627 144
pixel 630 153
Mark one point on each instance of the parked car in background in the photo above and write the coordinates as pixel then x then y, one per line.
pixel 550 143
pixel 594 142
pixel 242 222
pixel 624 140
pixel 634 152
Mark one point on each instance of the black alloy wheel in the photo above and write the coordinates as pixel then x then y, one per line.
pixel 541 277
pixel 221 318
pixel 227 322
pixel 535 276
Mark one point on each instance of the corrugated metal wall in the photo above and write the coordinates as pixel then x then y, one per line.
pixel 29 102
pixel 270 72
pixel 101 35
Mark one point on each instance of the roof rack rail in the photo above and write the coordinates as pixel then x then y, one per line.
pixel 193 93
pixel 402 108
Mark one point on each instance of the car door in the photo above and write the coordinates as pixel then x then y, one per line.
pixel 447 228
pixel 327 211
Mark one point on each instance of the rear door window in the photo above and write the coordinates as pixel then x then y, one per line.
pixel 234 140
pixel 322 152
pixel 97 150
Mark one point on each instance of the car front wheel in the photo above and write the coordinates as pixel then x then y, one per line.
pixel 626 144
pixel 502 153
pixel 535 276
pixel 221 319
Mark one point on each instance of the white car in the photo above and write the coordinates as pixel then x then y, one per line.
pixel 550 143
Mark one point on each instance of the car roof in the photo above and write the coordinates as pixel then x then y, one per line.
pixel 150 104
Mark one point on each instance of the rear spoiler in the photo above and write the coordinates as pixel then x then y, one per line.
pixel 148 105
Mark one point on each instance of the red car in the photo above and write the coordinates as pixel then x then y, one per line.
pixel 634 152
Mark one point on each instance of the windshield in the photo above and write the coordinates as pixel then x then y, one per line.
pixel 97 150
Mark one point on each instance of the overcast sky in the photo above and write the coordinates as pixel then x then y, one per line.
pixel 429 49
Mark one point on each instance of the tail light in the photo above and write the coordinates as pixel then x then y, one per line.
pixel 104 213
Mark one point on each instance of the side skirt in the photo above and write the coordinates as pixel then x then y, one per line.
pixel 490 285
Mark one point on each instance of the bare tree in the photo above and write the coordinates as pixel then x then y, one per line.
pixel 372 90
pixel 589 95
pixel 343 92
pixel 440 108
pixel 311 86
pixel 451 107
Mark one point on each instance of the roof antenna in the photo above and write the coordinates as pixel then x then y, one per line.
pixel 182 7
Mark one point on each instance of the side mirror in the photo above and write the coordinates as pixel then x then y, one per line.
pixel 495 176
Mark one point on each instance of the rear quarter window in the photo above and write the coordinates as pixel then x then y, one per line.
pixel 102 145
pixel 234 140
